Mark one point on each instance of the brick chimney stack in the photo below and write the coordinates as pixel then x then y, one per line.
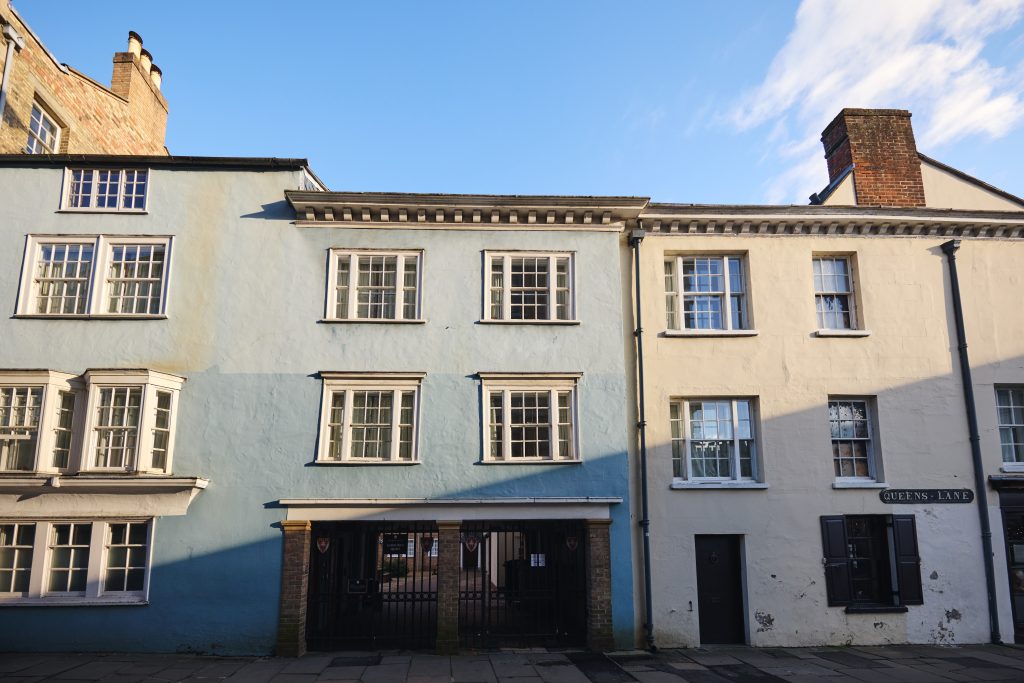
pixel 138 80
pixel 879 144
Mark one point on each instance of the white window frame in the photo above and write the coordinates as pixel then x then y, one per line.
pixel 734 463
pixel 395 382
pixel 1008 465
pixel 150 383
pixel 94 593
pixel 34 141
pixel 53 384
pixel 678 294
pixel 553 384
pixel 402 256
pixel 875 475
pixel 66 195
pixel 98 291
pixel 506 313
pixel 856 321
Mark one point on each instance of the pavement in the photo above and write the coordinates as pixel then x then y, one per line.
pixel 911 663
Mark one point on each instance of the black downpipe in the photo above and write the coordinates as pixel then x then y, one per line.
pixel 635 238
pixel 980 491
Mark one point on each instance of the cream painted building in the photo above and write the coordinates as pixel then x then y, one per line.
pixel 809 465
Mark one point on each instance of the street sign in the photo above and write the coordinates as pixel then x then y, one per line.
pixel 930 496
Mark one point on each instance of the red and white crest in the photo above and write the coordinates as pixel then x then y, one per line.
pixel 427 543
pixel 471 542
pixel 322 544
pixel 572 542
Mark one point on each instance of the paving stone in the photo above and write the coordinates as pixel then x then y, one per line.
pixel 10 663
pixel 396 659
pixel 688 666
pixel 90 671
pixel 258 672
pixel 386 673
pixel 799 668
pixel 557 672
pixel 521 679
pixel 548 658
pixel 51 666
pixel 343 673
pixel 308 665
pixel 430 666
pixel 512 665
pixel 713 659
pixel 846 659
pixel 472 670
pixel 657 677
pixel 294 678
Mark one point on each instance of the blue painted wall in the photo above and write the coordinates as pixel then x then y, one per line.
pixel 247 289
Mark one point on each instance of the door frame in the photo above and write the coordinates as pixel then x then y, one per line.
pixel 741 559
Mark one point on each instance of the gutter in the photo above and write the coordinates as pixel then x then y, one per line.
pixel 981 495
pixel 635 238
pixel 14 42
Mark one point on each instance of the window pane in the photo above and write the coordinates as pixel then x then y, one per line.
pixel 336 425
pixel 371 424
pixel 16 542
pixel 530 424
pixel 529 288
pixel 107 188
pixel 376 279
pixel 135 279
pixel 497 279
pixel 565 441
pixel 135 183
pixel 405 421
pixel 62 278
pixel 80 194
pixel 162 430
pixel 409 292
pixel 19 427
pixel 851 442
pixel 126 557
pixel 42 133
pixel 117 424
pixel 341 308
pixel 62 432
pixel 69 557
pixel 1010 405
pixel 671 295
pixel 562 288
pixel 496 424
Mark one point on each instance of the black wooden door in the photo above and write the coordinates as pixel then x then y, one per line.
pixel 1013 529
pixel 719 589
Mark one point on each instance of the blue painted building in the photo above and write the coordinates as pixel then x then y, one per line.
pixel 240 414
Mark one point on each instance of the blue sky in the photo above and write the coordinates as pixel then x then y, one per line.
pixel 683 102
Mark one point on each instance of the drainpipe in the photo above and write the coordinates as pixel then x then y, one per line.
pixel 14 42
pixel 635 238
pixel 949 249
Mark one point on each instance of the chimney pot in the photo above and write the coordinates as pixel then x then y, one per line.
pixel 134 43
pixel 145 60
pixel 156 75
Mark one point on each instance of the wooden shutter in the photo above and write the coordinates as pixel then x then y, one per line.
pixel 908 562
pixel 837 562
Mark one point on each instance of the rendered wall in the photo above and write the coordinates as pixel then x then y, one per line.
pixel 908 362
pixel 247 289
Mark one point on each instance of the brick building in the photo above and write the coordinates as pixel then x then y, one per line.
pixel 47 107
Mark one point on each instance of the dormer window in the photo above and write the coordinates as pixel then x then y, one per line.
pixel 43 132
pixel 103 189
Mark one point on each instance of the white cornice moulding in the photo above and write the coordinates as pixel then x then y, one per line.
pixel 92 497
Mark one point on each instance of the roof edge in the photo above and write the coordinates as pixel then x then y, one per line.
pixel 62 160
pixel 971 179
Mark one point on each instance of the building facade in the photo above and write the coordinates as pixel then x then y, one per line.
pixel 809 457
pixel 47 107
pixel 244 415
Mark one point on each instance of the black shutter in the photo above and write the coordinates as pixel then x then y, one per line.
pixel 908 562
pixel 837 562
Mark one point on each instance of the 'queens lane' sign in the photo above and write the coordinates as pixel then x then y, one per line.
pixel 914 496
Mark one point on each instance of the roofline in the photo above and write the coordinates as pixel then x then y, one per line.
pixel 971 179
pixel 444 199
pixel 820 197
pixel 224 163
pixel 775 211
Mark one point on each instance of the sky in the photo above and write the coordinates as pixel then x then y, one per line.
pixel 691 102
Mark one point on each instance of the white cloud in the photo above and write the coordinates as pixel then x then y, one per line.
pixel 921 55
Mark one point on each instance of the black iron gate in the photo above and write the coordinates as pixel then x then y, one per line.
pixel 522 583
pixel 372 585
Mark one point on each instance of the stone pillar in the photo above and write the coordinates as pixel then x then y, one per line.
pixel 448 587
pixel 599 586
pixel 291 618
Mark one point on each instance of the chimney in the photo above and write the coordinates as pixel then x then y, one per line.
pixel 134 43
pixel 879 144
pixel 145 61
pixel 156 75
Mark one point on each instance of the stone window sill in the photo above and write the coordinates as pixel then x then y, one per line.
pixel 521 463
pixel 842 333
pixel 528 322
pixel 717 485
pixel 86 316
pixel 382 321
pixel 1012 467
pixel 366 463
pixel 859 485
pixel 710 333
pixel 876 609
pixel 72 602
